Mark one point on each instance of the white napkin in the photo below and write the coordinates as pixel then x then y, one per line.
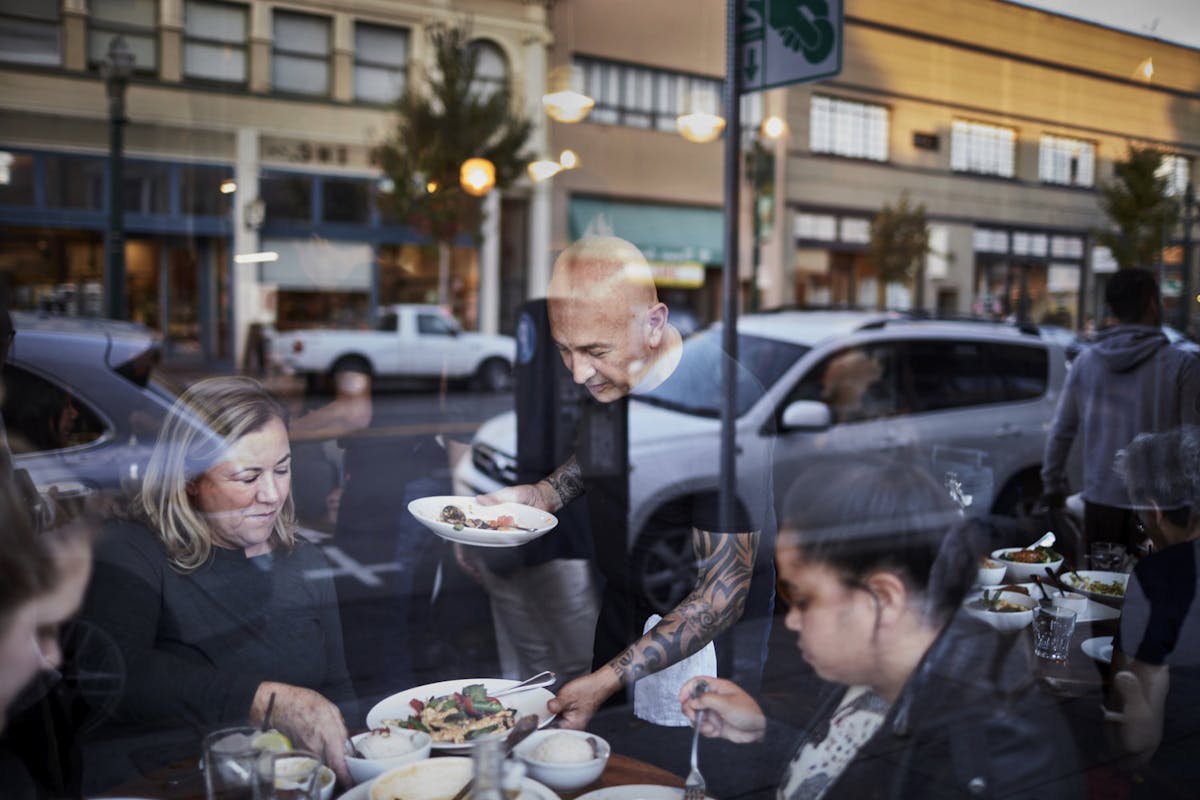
pixel 656 696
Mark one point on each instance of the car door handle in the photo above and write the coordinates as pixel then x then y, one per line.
pixel 1007 431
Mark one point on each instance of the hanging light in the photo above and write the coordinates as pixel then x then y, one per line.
pixel 700 123
pixel 1144 70
pixel 568 159
pixel 477 176
pixel 566 101
pixel 228 186
pixel 773 127
pixel 543 169
pixel 431 186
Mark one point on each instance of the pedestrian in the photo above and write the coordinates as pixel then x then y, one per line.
pixel 1129 381
pixel 615 338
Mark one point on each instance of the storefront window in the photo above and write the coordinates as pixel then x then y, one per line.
pixel 74 182
pixel 201 189
pixel 16 179
pixel 346 201
pixel 146 187
pixel 288 198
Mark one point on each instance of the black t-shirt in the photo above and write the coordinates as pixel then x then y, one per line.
pixel 694 386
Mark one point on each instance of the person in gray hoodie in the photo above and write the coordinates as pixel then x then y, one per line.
pixel 1129 381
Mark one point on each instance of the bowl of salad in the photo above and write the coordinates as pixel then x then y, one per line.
pixel 1022 563
pixel 1004 610
pixel 1103 587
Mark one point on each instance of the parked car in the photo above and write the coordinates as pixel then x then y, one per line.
pixel 972 400
pixel 410 341
pixel 83 402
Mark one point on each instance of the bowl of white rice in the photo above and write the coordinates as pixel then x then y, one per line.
pixel 385 748
pixel 564 760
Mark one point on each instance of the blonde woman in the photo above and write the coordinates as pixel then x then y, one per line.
pixel 210 595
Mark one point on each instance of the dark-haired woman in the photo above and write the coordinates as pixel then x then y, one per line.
pixel 873 563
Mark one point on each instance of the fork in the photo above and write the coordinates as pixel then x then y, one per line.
pixel 693 788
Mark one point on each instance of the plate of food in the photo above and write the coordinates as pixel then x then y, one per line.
pixel 1100 648
pixel 456 713
pixel 435 779
pixel 635 792
pixel 463 519
pixel 1098 585
pixel 1023 563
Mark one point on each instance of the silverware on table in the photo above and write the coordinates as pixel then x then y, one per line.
pixel 524 726
pixel 694 787
pixel 536 682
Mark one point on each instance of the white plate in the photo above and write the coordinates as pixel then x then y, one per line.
pixel 635 792
pixel 531 701
pixel 1068 578
pixel 427 510
pixel 1100 648
pixel 530 790
pixel 1095 612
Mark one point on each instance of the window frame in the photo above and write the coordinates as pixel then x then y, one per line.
pixel 325 61
pixel 243 47
pixel 49 21
pixel 1054 139
pixel 838 107
pixel 971 156
pixel 128 30
pixel 360 61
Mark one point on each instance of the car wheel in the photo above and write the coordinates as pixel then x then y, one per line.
pixel 494 375
pixel 1020 495
pixel 664 567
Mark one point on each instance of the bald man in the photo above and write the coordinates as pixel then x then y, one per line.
pixel 615 338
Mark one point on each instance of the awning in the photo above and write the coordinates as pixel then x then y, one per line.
pixel 664 233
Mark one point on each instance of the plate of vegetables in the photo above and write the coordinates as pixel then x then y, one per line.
pixel 465 520
pixel 457 713
pixel 1098 585
pixel 1024 562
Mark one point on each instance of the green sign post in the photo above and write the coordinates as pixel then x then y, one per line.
pixel 789 41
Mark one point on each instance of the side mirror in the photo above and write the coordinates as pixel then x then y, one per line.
pixel 807 415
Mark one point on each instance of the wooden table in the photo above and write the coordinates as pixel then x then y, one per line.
pixel 181 780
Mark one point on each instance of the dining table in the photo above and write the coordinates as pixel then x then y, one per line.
pixel 182 781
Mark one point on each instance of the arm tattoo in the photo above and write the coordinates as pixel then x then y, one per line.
pixel 726 565
pixel 567 481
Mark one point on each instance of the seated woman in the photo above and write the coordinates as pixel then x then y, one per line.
pixel 1155 707
pixel 873 563
pixel 215 603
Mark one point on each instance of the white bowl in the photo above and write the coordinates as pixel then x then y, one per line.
pixel 1081 581
pixel 327 780
pixel 440 778
pixel 364 769
pixel 990 575
pixel 1017 571
pixel 1076 602
pixel 563 777
pixel 1004 620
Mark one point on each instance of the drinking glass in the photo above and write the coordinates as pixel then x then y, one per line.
pixel 231 765
pixel 1106 556
pixel 294 775
pixel 1052 630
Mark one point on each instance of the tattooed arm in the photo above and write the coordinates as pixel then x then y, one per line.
pixel 726 564
pixel 549 494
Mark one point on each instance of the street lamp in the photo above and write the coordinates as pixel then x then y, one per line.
pixel 1185 291
pixel 760 169
pixel 477 176
pixel 116 69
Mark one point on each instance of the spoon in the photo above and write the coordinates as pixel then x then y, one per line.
pixel 1046 602
pixel 536 682
pixel 1047 540
pixel 525 726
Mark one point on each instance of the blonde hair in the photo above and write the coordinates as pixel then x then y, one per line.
pixel 209 417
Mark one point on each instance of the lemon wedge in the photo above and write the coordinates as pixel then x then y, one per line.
pixel 271 742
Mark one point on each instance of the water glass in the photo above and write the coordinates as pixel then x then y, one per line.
pixel 1052 631
pixel 1106 556
pixel 231 765
pixel 294 775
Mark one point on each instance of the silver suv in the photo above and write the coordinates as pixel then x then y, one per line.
pixel 971 400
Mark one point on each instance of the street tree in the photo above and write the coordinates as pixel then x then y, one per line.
pixel 1138 207
pixel 441 122
pixel 897 248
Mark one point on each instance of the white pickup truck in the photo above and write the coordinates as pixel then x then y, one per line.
pixel 411 341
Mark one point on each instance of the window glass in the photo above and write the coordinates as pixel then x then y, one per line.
pixel 30 32
pixel 947 374
pixel 1177 170
pixel 300 61
pixel 491 69
pixel 1026 370
pixel 380 62
pixel 145 187
pixel 201 190
pixel 389 322
pixel 288 198
pixel 41 416
pixel 346 201
pixel 214 46
pixel 848 128
pixel 857 383
pixel 985 149
pixel 74 182
pixel 643 97
pixel 134 20
pixel 434 325
pixel 16 179
pixel 1070 162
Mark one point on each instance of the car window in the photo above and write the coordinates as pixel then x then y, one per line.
pixel 434 325
pixel 1026 370
pixel 857 383
pixel 41 416
pixel 947 374
pixel 390 322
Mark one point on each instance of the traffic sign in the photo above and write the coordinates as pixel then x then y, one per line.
pixel 789 41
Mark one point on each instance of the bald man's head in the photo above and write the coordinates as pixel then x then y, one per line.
pixel 605 316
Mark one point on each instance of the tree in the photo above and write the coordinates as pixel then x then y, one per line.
pixel 440 125
pixel 897 248
pixel 1141 211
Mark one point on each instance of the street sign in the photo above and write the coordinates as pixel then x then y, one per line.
pixel 789 41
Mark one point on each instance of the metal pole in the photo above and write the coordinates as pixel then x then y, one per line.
pixel 755 258
pixel 1185 286
pixel 116 79
pixel 1085 270
pixel 733 136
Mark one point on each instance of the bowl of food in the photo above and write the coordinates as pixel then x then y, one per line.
pixel 990 572
pixel 289 770
pixel 1072 600
pixel 564 760
pixel 381 749
pixel 1004 610
pixel 1022 563
pixel 441 778
pixel 1103 587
